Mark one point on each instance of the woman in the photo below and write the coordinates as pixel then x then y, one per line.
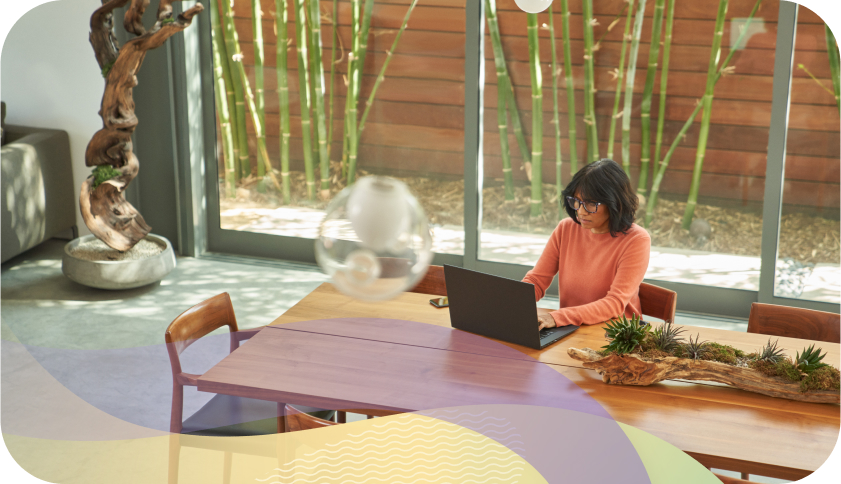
pixel 600 254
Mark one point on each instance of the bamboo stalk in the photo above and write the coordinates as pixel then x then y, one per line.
pixel 281 22
pixel 537 117
pixel 259 98
pixel 620 77
pixel 648 91
pixel 220 91
pixel 318 87
pixel 630 77
pixel 508 86
pixel 570 87
pixel 349 153
pixel 502 85
pixel 655 187
pixel 555 119
pixel 230 97
pixel 664 83
pixel 590 84
pixel 234 59
pixel 333 61
pixel 834 68
pixel 381 75
pixel 259 130
pixel 304 94
pixel 704 133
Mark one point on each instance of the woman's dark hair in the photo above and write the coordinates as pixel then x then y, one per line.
pixel 604 181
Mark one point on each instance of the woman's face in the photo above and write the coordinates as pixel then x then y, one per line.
pixel 598 222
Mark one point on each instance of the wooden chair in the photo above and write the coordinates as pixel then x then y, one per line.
pixel 223 415
pixel 658 302
pixel 432 283
pixel 791 322
pixel 296 420
pixel 731 480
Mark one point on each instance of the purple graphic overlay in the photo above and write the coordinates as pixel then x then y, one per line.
pixel 396 364
pixel 563 445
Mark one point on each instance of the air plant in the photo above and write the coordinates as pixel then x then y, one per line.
pixel 770 352
pixel 537 117
pixel 620 76
pixel 570 86
pixel 810 360
pixel 223 107
pixel 625 335
pixel 589 85
pixel 648 91
pixel 667 337
pixel 630 77
pixel 694 349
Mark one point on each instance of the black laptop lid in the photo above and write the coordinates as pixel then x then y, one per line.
pixel 492 306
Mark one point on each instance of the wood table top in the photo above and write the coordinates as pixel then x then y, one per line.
pixel 720 426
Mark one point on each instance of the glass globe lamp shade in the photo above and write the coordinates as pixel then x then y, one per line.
pixel 374 240
pixel 533 6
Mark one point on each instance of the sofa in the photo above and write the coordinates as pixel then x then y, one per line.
pixel 38 199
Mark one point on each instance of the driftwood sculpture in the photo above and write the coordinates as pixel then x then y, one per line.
pixel 635 370
pixel 104 208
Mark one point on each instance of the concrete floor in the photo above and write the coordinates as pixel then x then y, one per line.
pixel 107 347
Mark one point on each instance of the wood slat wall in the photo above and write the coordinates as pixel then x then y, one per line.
pixel 417 120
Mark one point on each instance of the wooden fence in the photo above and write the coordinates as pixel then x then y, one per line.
pixel 417 120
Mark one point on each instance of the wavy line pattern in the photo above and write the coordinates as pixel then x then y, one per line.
pixel 406 448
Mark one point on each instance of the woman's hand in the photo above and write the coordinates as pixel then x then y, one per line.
pixel 546 321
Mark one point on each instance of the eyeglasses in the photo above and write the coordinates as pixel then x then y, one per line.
pixel 589 207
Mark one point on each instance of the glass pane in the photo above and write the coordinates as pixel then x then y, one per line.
pixel 409 93
pixel 724 246
pixel 808 255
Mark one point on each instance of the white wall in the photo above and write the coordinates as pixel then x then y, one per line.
pixel 49 77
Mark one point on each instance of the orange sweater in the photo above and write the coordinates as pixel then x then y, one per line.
pixel 598 275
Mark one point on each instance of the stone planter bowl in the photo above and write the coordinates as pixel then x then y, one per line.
pixel 114 275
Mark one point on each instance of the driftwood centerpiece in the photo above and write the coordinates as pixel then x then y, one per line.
pixel 636 355
pixel 633 369
pixel 104 208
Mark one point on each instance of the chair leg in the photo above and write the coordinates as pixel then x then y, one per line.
pixel 281 418
pixel 226 468
pixel 745 476
pixel 341 417
pixel 174 457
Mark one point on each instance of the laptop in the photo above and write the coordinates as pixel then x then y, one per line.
pixel 497 307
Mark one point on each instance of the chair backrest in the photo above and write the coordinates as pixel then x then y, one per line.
pixel 432 283
pixel 296 420
pixel 658 302
pixel 794 322
pixel 183 331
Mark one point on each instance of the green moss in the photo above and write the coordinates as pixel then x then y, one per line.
pixel 824 378
pixel 722 353
pixel 167 21
pixel 784 369
pixel 106 69
pixel 103 173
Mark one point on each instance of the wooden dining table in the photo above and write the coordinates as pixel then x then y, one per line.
pixel 308 363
